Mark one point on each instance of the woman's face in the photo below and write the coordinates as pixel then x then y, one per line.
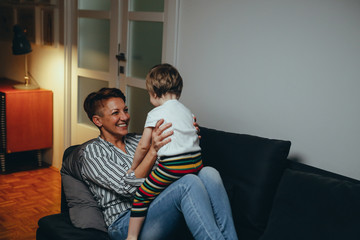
pixel 115 118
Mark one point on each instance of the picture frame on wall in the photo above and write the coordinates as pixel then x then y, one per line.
pixel 26 19
pixel 47 26
pixel 6 23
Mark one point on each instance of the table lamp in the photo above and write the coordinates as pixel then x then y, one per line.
pixel 21 46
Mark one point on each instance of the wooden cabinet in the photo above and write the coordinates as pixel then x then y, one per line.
pixel 26 120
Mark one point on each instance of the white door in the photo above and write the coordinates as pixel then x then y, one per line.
pixel 116 42
pixel 93 59
pixel 148 38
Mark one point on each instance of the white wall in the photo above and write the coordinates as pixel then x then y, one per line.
pixel 48 65
pixel 285 69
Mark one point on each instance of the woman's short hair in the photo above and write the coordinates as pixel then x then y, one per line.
pixel 93 102
pixel 164 78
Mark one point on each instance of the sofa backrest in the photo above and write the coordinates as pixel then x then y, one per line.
pixel 251 168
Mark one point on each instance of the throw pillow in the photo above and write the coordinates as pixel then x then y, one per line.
pixel 83 209
pixel 312 207
pixel 251 168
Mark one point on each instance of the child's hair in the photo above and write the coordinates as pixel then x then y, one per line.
pixel 93 101
pixel 164 78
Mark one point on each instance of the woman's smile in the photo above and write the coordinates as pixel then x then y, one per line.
pixel 123 125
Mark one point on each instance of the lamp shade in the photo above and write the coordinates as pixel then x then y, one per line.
pixel 20 44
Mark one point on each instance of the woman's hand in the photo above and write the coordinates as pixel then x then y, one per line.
pixel 159 138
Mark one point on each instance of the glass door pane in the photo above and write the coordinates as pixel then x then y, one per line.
pixel 94 41
pixel 145 47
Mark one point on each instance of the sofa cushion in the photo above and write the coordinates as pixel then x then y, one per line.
pixel 251 168
pixel 310 206
pixel 83 208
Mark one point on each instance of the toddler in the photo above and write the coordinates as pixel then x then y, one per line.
pixel 180 156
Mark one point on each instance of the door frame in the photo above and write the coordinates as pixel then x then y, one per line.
pixel 69 8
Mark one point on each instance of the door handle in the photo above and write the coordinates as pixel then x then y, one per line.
pixel 121 57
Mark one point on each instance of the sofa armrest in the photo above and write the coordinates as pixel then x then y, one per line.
pixel 313 206
pixel 59 227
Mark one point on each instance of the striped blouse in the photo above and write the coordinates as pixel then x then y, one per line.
pixel 104 170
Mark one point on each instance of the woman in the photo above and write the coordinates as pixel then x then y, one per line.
pixel 201 200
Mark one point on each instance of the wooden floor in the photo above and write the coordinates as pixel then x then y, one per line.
pixel 25 197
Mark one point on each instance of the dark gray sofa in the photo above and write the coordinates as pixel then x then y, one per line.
pixel 272 197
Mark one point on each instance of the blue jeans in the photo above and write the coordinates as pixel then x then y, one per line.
pixel 199 199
